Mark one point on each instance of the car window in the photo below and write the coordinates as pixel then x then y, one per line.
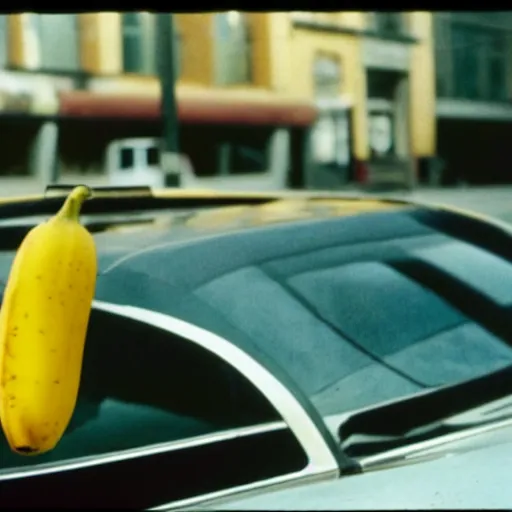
pixel 162 477
pixel 404 324
pixel 316 355
pixel 127 158
pixel 480 269
pixel 353 329
pixel 141 386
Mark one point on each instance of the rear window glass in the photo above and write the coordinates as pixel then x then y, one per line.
pixel 481 270
pixel 355 334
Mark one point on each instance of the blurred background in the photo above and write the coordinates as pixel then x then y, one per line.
pixel 338 100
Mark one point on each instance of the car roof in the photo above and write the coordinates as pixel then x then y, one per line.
pixel 205 266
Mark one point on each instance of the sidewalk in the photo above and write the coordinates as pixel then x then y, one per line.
pixel 495 201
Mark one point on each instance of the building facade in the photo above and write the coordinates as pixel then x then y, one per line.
pixel 371 75
pixel 474 96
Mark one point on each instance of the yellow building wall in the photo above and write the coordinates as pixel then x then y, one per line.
pixel 102 54
pixel 353 19
pixel 100 42
pixel 306 44
pixel 197 49
pixel 283 58
pixel 23 49
pixel 271 50
pixel 15 48
pixel 422 86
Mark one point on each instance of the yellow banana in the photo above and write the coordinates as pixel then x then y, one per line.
pixel 43 326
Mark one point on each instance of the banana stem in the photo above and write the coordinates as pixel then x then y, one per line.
pixel 70 210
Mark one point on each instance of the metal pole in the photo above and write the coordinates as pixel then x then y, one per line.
pixel 169 149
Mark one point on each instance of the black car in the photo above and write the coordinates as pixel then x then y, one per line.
pixel 245 343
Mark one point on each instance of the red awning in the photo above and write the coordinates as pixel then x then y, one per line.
pixel 204 108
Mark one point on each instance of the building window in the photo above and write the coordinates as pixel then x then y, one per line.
pixel 381 125
pixel 140 44
pixel 479 60
pixel 382 83
pixel 3 41
pixel 327 76
pixel 496 68
pixel 58 41
pixel 233 49
pixel 331 139
pixel 443 61
pixel 387 23
pixel 465 63
pixel 133 47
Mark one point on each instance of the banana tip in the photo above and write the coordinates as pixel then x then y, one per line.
pixel 82 192
pixel 72 205
pixel 26 450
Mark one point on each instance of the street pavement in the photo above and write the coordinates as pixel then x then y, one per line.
pixel 495 201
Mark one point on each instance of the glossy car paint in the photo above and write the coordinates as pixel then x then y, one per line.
pixel 470 479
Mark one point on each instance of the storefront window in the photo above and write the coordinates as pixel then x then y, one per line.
pixel 381 134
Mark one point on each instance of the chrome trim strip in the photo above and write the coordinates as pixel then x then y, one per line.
pixel 133 453
pixel 278 395
pixel 211 500
pixel 423 447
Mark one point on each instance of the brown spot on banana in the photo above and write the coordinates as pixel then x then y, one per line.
pixel 26 450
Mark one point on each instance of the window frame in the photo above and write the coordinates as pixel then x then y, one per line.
pixel 316 442
pixel 77 471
